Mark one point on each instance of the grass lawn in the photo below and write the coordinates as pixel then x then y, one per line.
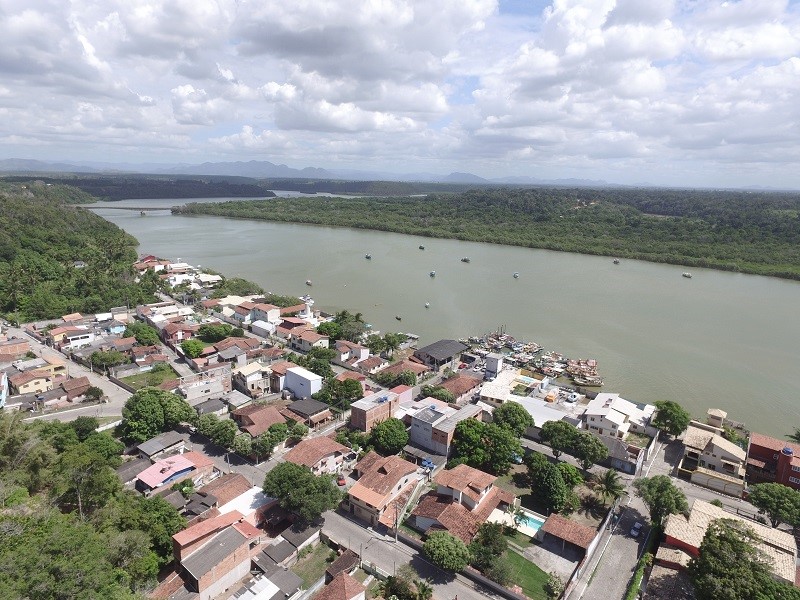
pixel 150 378
pixel 312 567
pixel 520 539
pixel 527 575
pixel 360 575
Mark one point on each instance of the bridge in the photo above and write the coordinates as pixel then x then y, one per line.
pixel 136 208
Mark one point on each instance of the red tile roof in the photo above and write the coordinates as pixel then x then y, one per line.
pixel 280 368
pixel 371 363
pixel 309 452
pixel 74 384
pixel 203 528
pixel 343 587
pixel 257 419
pixel 406 365
pixel 774 444
pixel 345 375
pixel 460 384
pixel 467 480
pixel 572 532
pixel 227 487
pixel 381 474
pixel 453 517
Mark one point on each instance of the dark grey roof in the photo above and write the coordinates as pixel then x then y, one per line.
pixel 205 558
pixel 308 408
pixel 210 406
pixel 442 350
pixel 279 552
pixel 231 353
pixel 287 581
pixel 129 470
pixel 160 442
pixel 175 498
pixel 235 398
pixel 296 537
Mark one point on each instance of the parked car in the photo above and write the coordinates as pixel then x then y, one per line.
pixel 636 529
pixel 340 480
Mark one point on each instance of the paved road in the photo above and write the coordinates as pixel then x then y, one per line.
pixel 389 555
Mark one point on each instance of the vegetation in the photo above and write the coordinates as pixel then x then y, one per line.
pixel 340 394
pixel 301 492
pixel 513 417
pixel 753 232
pixel 389 436
pixel 151 411
pixel 236 286
pixel 795 436
pixel 559 435
pixel 731 567
pixel 661 497
pixel 484 446
pixel 192 347
pixel 488 547
pixel 645 560
pixel 780 503
pixel 438 392
pixel 588 449
pixel 527 575
pixel 609 485
pixel 69 530
pixel 671 417
pixel 215 332
pixel 144 334
pixel 548 487
pixel 160 373
pixel 391 380
pixel 446 551
pixel 42 236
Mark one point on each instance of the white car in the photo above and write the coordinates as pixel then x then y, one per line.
pixel 636 529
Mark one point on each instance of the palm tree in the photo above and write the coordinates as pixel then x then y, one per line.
pixel 424 589
pixel 794 437
pixel 609 485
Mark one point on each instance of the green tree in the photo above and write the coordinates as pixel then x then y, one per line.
pixel 731 567
pixel 485 446
pixel 393 341
pixel 207 424
pixel 389 436
pixel 243 444
pixel 446 552
pixel 214 332
pixel 144 334
pixel 332 329
pixel 570 474
pixel 609 485
pixel 559 435
pixel 512 416
pixel 143 415
pixel 224 433
pixel 263 446
pixel 438 392
pixel 94 393
pixel 83 480
pixel 176 410
pixel 106 359
pixel 84 427
pixel 406 377
pixel 488 545
pixel 794 437
pixel 375 344
pixel 301 492
pixel 105 446
pixel 548 487
pixel 671 417
pixel 780 503
pixel 661 497
pixel 588 449
pixel 192 348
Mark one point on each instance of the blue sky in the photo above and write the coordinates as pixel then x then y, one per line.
pixel 674 92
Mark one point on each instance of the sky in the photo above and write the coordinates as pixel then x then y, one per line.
pixel 668 92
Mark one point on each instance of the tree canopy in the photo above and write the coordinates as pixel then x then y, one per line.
pixel 151 411
pixel 389 436
pixel 780 503
pixel 588 449
pixel 485 446
pixel 559 435
pixel 192 347
pixel 671 417
pixel 144 334
pixel 301 492
pixel 548 487
pixel 446 552
pixel 661 497
pixel 513 417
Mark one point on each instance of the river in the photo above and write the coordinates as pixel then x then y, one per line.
pixel 722 340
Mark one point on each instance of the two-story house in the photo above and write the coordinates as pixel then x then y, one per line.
pixel 350 354
pixel 441 355
pixel 382 489
pixel 377 407
pixel 608 414
pixel 713 461
pixel 772 460
pixel 433 427
pixel 463 500
pixel 320 454
pixel 266 312
pixel 304 341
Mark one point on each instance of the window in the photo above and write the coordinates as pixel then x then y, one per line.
pixel 795 468
pixel 774 457
pixel 794 480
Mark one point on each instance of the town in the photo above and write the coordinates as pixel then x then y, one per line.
pixel 310 456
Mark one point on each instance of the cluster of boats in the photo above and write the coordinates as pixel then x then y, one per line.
pixel 582 371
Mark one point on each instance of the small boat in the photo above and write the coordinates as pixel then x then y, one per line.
pixel 516 275
pixel 465 259
pixel 427 305
pixel 432 273
pixel 588 381
pixel 308 282
pixel 142 213
pixel 616 261
pixel 686 274
pixel 421 247
pixel 368 256
pixel 398 317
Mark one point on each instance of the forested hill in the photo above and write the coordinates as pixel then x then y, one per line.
pixel 751 232
pixel 43 236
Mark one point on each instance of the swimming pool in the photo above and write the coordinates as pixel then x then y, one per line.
pixel 525 379
pixel 531 521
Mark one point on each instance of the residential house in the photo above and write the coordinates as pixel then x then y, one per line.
pixel 302 382
pixel 197 534
pixel 713 461
pixel 276 583
pixel 213 406
pixel 291 325
pixel 214 382
pixel 567 531
pixel 320 454
pixel 216 566
pixel 383 489
pixel 129 471
pixel 770 459
pixel 304 341
pixel 252 379
pixel 266 312
pixel 347 562
pixel 441 355
pixel 622 455
pixel 76 388
pixel 227 487
pixel 123 344
pixel 30 382
pixel 608 414
pixel 373 364
pixel 277 380
pixel 404 365
pixel 56 335
pixel 343 587
pixel 433 427
pixel 462 386
pixel 166 472
pixel 173 334
pixel 263 328
pixel 464 498
pixel 11 350
pixel 377 407
pixel 349 354
pixel 254 505
pixel 310 412
pixel 685 534
pixel 257 418
pixel 50 365
pixel 79 337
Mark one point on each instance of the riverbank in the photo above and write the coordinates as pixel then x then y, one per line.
pixel 727 231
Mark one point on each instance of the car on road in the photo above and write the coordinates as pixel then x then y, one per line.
pixel 636 529
pixel 340 480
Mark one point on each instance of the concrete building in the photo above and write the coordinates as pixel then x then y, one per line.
pixel 772 460
pixel 320 454
pixel 377 407
pixel 302 382
pixel 713 461
pixel 433 427
pixel 441 355
pixel 608 414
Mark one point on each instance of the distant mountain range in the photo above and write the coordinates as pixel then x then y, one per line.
pixel 262 169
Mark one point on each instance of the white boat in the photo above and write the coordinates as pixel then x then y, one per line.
pixel 427 305
pixel 432 273
pixel 308 282
pixel 686 274
pixel 516 275
pixel 368 256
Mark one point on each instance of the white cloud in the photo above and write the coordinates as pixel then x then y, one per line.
pixel 599 88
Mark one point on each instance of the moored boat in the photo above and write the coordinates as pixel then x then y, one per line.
pixel 427 305
pixel 588 381
pixel 516 275
pixel 398 317
pixel 421 247
pixel 308 282
pixel 368 256
pixel 432 273
pixel 616 261
pixel 465 259
pixel 686 274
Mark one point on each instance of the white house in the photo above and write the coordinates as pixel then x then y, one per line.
pixel 608 414
pixel 266 312
pixel 77 339
pixel 263 328
pixel 307 340
pixel 302 382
